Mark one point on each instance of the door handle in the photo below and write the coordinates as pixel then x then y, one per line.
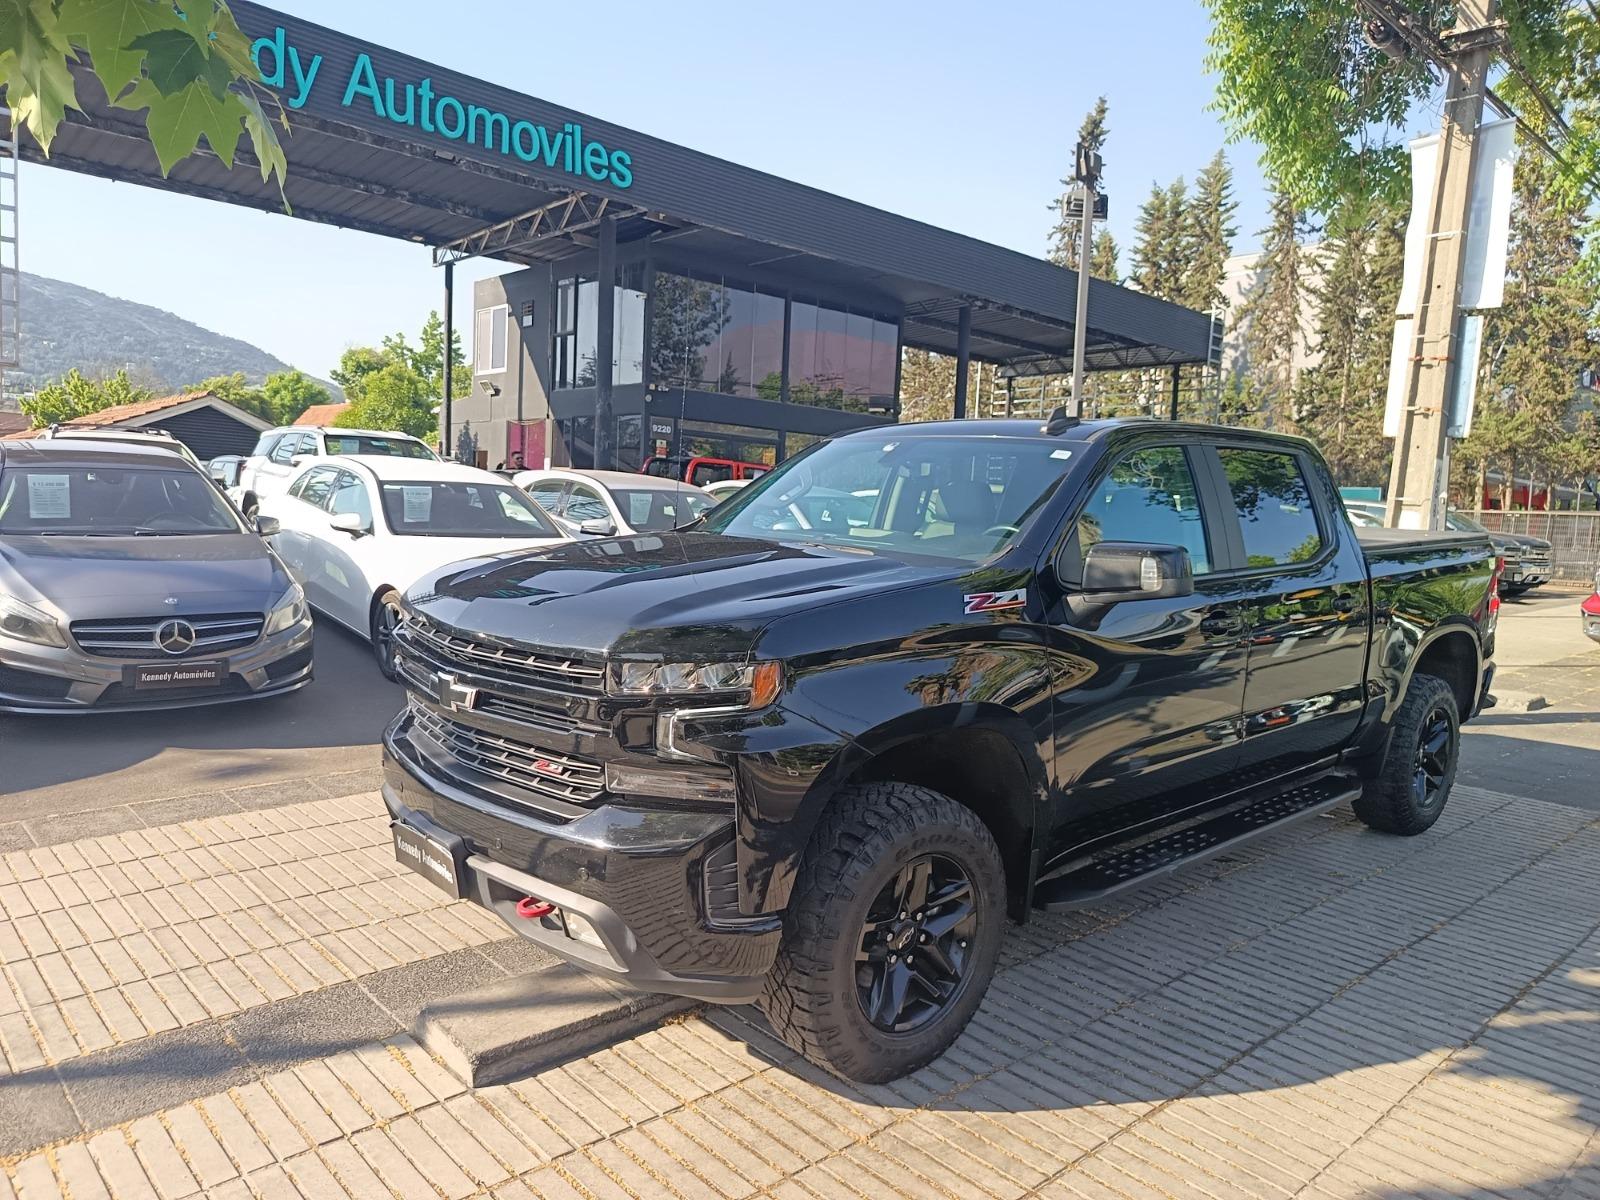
pixel 1220 623
pixel 1344 603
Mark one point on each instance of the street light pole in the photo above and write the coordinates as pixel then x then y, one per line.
pixel 1420 480
pixel 1080 314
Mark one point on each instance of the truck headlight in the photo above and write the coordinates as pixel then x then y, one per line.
pixel 289 611
pixel 26 623
pixel 762 681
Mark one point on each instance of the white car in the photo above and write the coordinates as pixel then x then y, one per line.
pixel 281 453
pixel 724 488
pixel 607 503
pixel 358 531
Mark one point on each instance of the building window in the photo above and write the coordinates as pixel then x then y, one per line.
pixel 574 334
pixel 840 358
pixel 489 340
pixel 717 335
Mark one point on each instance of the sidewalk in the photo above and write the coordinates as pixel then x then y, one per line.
pixel 1329 1012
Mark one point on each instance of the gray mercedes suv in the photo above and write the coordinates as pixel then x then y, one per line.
pixel 128 582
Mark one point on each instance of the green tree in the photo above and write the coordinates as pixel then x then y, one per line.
pixel 393 397
pixel 1207 236
pixel 1103 257
pixel 74 395
pixel 1065 236
pixel 1539 340
pixel 1340 400
pixel 1332 113
pixel 290 393
pixel 1158 248
pixel 1272 316
pixel 356 364
pixel 428 359
pixel 188 67
pixel 237 390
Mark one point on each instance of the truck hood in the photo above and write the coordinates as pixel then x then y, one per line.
pixel 681 595
pixel 87 577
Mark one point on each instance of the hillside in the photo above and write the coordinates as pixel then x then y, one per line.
pixel 66 326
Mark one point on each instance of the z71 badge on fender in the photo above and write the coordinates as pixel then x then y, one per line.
pixel 979 602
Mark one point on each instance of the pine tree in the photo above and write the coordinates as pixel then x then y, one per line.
pixel 1158 249
pixel 1340 401
pixel 1208 233
pixel 1539 340
pixel 1103 259
pixel 1065 236
pixel 1272 317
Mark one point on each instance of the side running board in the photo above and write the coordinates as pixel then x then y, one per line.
pixel 1121 870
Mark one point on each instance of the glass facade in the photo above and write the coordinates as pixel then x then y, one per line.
pixel 576 327
pixel 841 359
pixel 716 335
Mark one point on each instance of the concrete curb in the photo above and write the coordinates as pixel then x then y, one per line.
pixel 1519 702
pixel 516 1026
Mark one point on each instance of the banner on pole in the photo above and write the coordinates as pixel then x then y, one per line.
pixel 1483 271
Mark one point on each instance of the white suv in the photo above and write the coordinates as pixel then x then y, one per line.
pixel 280 453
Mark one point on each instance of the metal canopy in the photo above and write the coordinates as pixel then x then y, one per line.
pixel 355 166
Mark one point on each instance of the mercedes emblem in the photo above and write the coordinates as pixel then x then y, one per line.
pixel 175 637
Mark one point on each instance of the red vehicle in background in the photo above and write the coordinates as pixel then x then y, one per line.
pixel 701 470
pixel 1591 611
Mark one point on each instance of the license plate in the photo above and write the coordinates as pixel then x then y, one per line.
pixel 428 858
pixel 156 676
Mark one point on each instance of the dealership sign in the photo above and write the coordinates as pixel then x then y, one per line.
pixel 417 105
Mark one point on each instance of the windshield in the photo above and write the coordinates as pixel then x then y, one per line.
pixel 384 447
pixel 484 510
pixel 655 510
pixel 111 502
pixel 955 499
pixel 1454 520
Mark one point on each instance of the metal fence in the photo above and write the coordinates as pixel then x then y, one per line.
pixel 1575 537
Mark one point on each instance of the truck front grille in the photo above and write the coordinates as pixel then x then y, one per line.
pixel 543 772
pixel 139 637
pixel 472 654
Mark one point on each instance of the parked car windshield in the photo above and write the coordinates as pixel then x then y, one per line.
pixel 111 502
pixel 656 510
pixel 428 508
pixel 954 499
pixel 385 447
pixel 1454 520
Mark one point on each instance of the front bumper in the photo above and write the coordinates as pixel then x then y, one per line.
pixel 641 878
pixel 1527 575
pixel 1591 617
pixel 52 679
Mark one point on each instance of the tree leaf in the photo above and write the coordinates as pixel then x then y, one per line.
pixel 33 67
pixel 174 59
pixel 177 123
pixel 107 29
pixel 269 151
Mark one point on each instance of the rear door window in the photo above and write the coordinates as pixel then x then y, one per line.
pixel 1277 516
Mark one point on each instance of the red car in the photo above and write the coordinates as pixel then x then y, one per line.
pixel 1591 611
pixel 702 469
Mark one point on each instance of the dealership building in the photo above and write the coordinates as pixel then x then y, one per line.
pixel 657 300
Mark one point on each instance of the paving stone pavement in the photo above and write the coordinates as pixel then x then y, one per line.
pixel 1327 1013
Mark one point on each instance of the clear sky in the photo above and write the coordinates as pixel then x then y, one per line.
pixel 958 114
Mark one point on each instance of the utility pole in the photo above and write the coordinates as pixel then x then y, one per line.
pixel 1420 480
pixel 1087 173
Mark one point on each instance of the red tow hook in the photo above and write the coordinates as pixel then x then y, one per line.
pixel 533 908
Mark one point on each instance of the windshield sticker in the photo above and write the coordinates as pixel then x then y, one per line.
pixel 418 504
pixel 639 508
pixel 49 497
pixel 982 602
pixel 1063 455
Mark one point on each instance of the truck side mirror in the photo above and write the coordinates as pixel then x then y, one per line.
pixel 1117 571
pixel 268 526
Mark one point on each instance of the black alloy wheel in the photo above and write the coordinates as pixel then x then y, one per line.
pixel 911 965
pixel 385 620
pixel 1436 752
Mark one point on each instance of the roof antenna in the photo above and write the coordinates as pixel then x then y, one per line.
pixel 1059 422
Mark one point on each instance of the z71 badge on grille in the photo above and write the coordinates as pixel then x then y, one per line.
pixel 981 602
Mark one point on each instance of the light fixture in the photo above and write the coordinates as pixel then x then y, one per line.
pixel 489 388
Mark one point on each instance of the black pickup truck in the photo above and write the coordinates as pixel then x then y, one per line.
pixel 814 750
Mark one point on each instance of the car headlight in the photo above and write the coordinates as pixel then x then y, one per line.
pixel 762 680
pixel 289 611
pixel 26 623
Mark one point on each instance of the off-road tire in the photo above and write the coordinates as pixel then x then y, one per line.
pixel 1389 802
pixel 382 648
pixel 861 843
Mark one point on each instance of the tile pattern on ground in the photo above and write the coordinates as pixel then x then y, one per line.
pixel 110 939
pixel 1330 1013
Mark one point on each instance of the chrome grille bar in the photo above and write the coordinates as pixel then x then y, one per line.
pixel 135 637
pixel 530 768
